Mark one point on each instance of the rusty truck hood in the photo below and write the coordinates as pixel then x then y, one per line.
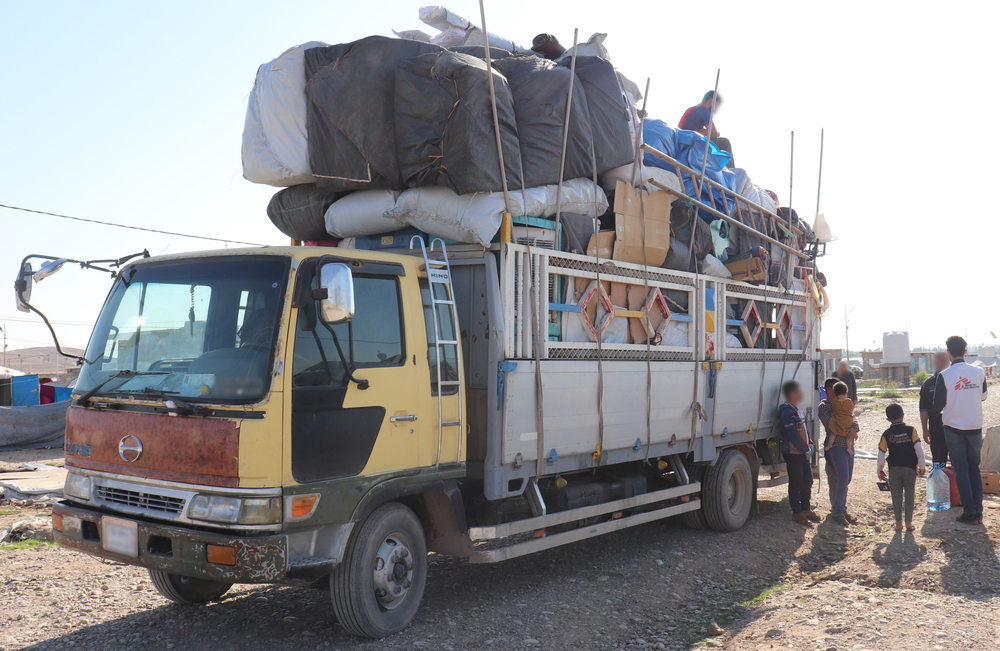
pixel 183 449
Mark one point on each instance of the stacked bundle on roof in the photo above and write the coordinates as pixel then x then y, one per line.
pixel 404 116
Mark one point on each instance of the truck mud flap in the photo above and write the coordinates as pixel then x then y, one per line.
pixel 495 555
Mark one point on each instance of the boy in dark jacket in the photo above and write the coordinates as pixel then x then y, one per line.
pixel 795 446
pixel 906 460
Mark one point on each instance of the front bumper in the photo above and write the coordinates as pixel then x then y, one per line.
pixel 259 559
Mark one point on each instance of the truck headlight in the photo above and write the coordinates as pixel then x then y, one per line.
pixel 235 510
pixel 77 486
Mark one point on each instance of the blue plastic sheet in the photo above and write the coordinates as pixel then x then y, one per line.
pixel 688 148
pixel 25 390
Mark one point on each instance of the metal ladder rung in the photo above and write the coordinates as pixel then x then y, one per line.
pixel 450 383
pixel 447 342
pixel 443 301
pixel 453 423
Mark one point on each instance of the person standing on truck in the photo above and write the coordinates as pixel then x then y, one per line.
pixel 839 459
pixel 959 394
pixel 930 416
pixel 795 447
pixel 846 375
pixel 699 118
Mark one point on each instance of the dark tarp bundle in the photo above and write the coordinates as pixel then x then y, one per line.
pixel 444 124
pixel 609 115
pixel 479 52
pixel 299 211
pixel 682 220
pixel 350 111
pixel 540 90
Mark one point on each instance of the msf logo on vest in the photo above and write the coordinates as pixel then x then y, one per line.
pixel 130 448
pixel 964 383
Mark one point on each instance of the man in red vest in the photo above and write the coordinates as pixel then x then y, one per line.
pixel 699 118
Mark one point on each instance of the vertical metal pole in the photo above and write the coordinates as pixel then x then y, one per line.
pixel 790 272
pixel 562 156
pixel 708 136
pixel 493 106
pixel 847 340
pixel 819 183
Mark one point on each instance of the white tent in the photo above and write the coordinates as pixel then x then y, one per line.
pixel 6 373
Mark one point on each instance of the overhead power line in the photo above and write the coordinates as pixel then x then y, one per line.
pixel 134 228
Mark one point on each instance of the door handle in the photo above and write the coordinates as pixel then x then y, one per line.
pixel 403 419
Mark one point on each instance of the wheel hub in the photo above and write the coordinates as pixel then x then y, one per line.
pixel 393 571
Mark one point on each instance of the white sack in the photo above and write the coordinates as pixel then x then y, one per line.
pixel 441 19
pixel 475 217
pixel 474 36
pixel 367 212
pixel 275 145
pixel 413 35
pixel 451 37
pixel 617 332
pixel 675 334
pixel 712 266
pixel 627 174
pixel 573 329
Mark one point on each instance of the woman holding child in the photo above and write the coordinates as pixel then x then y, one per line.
pixel 836 412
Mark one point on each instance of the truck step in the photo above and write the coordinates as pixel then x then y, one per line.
pixel 574 535
pixel 565 517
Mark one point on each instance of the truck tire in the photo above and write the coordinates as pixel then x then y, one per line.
pixel 696 519
pixel 377 588
pixel 186 590
pixel 727 492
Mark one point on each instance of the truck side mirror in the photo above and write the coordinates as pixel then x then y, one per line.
pixel 336 293
pixel 22 287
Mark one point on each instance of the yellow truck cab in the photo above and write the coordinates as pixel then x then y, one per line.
pixel 216 416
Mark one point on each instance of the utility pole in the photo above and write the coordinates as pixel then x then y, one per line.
pixel 847 339
pixel 4 330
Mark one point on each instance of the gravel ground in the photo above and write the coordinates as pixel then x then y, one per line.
pixel 771 585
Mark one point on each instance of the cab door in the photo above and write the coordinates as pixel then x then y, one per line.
pixel 340 429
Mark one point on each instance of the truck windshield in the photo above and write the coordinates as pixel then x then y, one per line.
pixel 201 330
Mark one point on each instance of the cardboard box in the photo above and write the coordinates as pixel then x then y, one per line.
pixel 749 269
pixel 601 244
pixel 991 482
pixel 630 209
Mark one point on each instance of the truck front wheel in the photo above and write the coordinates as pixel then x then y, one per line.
pixel 727 491
pixel 377 588
pixel 187 590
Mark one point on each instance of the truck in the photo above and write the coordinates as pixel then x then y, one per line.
pixel 325 417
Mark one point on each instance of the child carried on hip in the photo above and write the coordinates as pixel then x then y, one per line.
pixel 841 418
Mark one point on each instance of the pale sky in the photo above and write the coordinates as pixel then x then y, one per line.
pixel 133 113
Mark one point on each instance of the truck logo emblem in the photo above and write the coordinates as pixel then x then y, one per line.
pixel 130 448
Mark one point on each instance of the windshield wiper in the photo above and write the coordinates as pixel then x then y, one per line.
pixel 85 398
pixel 169 396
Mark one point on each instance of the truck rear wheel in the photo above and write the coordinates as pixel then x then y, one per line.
pixel 377 589
pixel 727 492
pixel 187 590
pixel 696 519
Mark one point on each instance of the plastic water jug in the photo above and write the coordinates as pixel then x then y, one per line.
pixel 938 489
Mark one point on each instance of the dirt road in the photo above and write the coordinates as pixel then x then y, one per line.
pixel 771 585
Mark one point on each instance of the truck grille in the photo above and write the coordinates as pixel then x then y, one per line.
pixel 141 500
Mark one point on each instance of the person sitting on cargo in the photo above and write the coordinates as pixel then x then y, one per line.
pixel 795 448
pixel 699 118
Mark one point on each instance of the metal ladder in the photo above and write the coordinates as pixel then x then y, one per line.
pixel 439 273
